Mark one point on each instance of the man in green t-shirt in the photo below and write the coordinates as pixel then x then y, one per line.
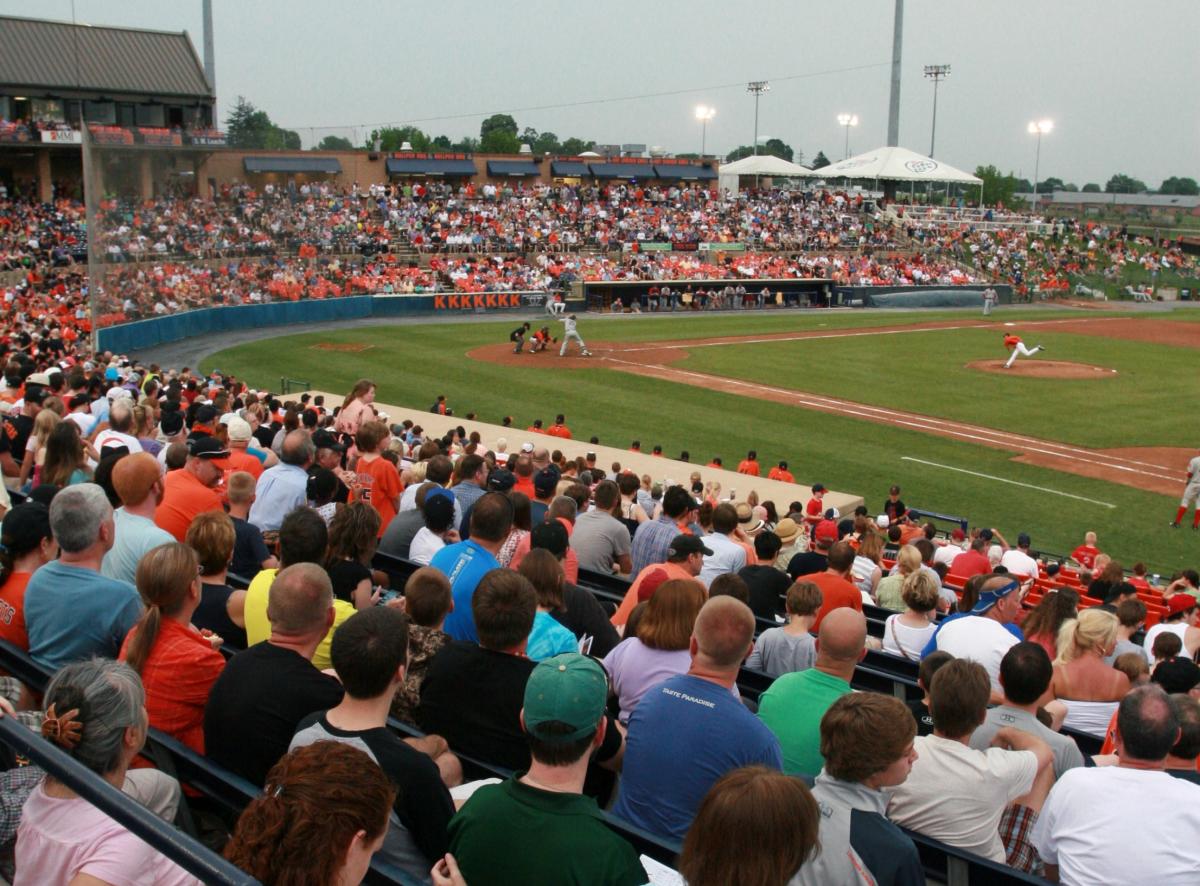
pixel 793 706
pixel 537 827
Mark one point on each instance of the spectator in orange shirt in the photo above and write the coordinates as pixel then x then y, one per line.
pixel 781 473
pixel 836 588
pixel 749 464
pixel 559 428
pixel 177 663
pixel 27 543
pixel 191 490
pixel 378 478
pixel 240 434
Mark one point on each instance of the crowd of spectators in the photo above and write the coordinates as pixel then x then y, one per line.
pixel 116 573
pixel 1033 254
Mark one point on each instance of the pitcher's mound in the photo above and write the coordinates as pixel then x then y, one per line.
pixel 1031 367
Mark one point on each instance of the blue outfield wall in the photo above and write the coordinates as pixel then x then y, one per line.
pixel 129 338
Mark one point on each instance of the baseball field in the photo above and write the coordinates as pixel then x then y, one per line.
pixel 1093 433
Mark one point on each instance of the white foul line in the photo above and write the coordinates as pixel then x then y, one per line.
pixel 934 464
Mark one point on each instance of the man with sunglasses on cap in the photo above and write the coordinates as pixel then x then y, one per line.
pixel 192 490
pixel 538 827
pixel 985 633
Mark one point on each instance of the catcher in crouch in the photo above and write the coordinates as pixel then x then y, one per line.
pixel 542 340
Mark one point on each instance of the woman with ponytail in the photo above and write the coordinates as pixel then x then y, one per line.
pixel 322 815
pixel 1090 688
pixel 25 544
pixel 94 712
pixel 178 664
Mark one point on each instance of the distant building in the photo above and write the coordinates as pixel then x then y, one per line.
pixel 56 77
pixel 1081 203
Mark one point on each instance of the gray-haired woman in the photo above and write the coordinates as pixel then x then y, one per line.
pixel 95 711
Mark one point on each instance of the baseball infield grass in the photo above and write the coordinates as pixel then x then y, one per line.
pixel 919 371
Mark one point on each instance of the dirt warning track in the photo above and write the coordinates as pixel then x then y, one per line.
pixel 1160 470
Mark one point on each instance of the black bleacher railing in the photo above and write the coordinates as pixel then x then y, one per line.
pixel 186 852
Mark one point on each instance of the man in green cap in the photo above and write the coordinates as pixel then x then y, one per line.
pixel 537 827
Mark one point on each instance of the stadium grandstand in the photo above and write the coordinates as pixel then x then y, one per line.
pixel 302 635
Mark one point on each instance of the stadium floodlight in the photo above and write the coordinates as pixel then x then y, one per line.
pixel 756 88
pixel 847 120
pixel 704 113
pixel 1038 128
pixel 936 73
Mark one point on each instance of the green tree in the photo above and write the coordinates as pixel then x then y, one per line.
pixel 334 143
pixel 467 145
pixel 1071 186
pixel 248 127
pixel 1124 184
pixel 1177 185
pixel 499 142
pixel 573 147
pixel 498 123
pixel 779 149
pixel 771 147
pixel 820 161
pixel 441 143
pixel 1050 185
pixel 1091 188
pixel 546 143
pixel 390 138
pixel 998 187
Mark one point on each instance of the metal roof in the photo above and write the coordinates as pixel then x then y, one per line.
pixel 38 53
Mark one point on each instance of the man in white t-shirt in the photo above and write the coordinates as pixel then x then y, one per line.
pixel 946 553
pixel 438 529
pixel 727 555
pixel 120 421
pixel 1018 561
pixel 981 635
pixel 957 794
pixel 1129 823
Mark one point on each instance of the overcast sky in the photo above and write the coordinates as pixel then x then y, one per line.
pixel 1118 79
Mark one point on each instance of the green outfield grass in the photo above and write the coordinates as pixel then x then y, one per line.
pixel 412 364
pixel 927 372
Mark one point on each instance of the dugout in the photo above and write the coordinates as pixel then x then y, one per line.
pixel 920 296
pixel 600 295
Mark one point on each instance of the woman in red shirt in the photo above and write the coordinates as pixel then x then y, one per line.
pixel 178 664
pixel 25 544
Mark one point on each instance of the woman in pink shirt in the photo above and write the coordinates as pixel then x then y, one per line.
pixel 356 408
pixel 95 711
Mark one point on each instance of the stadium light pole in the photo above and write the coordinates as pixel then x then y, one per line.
pixel 1038 128
pixel 704 113
pixel 847 120
pixel 936 73
pixel 756 88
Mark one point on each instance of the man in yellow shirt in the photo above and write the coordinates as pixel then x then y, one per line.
pixel 303 538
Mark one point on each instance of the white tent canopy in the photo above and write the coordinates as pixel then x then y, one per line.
pixel 894 164
pixel 765 165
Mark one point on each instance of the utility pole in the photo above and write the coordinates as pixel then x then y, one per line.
pixel 936 73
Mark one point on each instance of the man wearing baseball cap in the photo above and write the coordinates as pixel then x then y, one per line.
pixel 538 827
pixel 817 560
pixel 192 489
pixel 685 559
pixel 814 511
pixel 985 633
pixel 1180 620
pixel 239 459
